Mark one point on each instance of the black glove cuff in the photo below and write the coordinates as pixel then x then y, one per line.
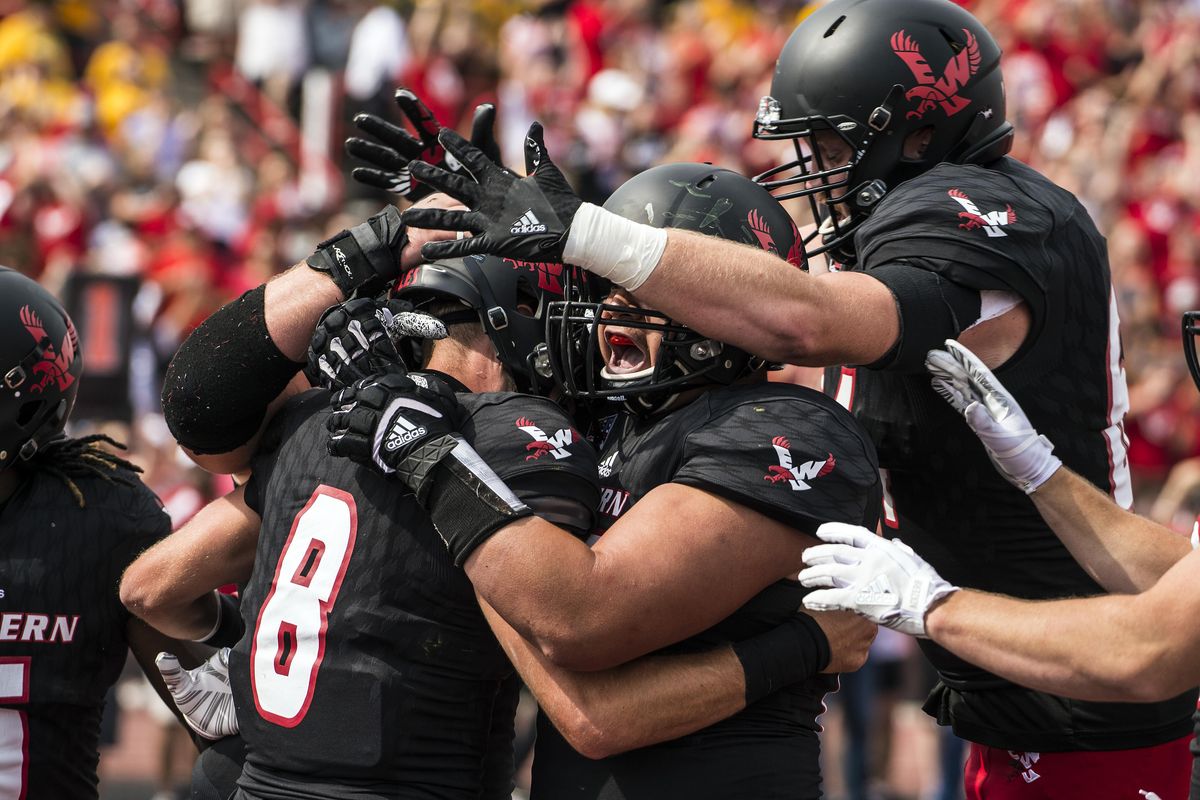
pixel 465 511
pixel 365 256
pixel 794 651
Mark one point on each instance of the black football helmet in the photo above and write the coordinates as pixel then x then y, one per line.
pixel 41 366
pixel 509 298
pixel 873 72
pixel 694 197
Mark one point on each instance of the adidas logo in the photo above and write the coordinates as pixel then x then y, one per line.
pixel 605 467
pixel 402 433
pixel 877 593
pixel 528 223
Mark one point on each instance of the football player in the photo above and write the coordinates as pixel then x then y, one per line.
pixel 1142 650
pixel 712 481
pixel 72 516
pixel 896 111
pixel 396 636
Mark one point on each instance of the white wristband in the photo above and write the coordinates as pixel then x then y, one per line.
pixel 621 250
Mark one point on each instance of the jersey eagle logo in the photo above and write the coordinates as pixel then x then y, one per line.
pixel 931 92
pixel 542 444
pixel 973 218
pixel 796 475
pixel 55 364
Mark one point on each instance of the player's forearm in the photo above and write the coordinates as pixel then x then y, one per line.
pixel 755 300
pixel 1099 648
pixel 651 700
pixel 295 301
pixel 171 585
pixel 551 588
pixel 1122 551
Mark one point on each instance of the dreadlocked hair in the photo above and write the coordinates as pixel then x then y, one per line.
pixel 67 459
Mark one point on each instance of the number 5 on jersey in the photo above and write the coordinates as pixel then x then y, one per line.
pixel 289 637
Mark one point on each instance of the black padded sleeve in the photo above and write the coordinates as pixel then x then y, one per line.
pixel 218 386
pixel 932 309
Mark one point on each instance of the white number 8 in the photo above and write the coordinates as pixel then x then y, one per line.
pixel 289 636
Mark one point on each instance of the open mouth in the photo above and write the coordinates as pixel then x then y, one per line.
pixel 625 354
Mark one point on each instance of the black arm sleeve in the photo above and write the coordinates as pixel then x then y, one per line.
pixel 218 386
pixel 932 309
pixel 562 498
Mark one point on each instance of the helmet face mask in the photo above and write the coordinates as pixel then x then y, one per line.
pixel 697 197
pixel 681 359
pixel 905 85
pixel 40 367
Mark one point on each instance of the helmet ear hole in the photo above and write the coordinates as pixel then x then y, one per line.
pixel 28 411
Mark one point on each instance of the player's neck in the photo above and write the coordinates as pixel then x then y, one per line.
pixel 477 370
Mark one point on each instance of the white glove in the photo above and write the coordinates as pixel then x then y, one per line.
pixel 881 579
pixel 1023 456
pixel 202 694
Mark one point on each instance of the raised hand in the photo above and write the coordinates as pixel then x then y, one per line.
pixel 523 218
pixel 360 337
pixel 1019 452
pixel 881 579
pixel 394 148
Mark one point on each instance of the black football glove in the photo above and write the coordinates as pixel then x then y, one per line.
pixel 406 425
pixel 394 148
pixel 365 258
pixel 362 336
pixel 523 218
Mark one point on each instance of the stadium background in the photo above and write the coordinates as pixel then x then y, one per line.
pixel 159 157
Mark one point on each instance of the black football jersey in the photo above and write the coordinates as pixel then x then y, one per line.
pixel 368 670
pixel 62 625
pixel 1005 228
pixel 793 455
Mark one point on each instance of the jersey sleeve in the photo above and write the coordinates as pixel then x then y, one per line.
pixel 798 462
pixel 973 226
pixel 533 446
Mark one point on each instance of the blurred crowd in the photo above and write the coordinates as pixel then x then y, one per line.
pixel 159 157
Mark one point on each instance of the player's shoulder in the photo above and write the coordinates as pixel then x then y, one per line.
pixel 787 451
pixel 526 430
pixel 116 504
pixel 755 406
pixel 971 205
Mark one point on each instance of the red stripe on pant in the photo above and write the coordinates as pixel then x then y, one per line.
pixel 1145 773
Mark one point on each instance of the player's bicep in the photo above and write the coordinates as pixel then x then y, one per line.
pixel 854 320
pixel 682 559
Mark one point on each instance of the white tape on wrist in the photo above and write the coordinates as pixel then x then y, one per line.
pixel 621 250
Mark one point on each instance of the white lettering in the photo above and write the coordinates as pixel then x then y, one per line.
pixel 10 625
pixel 61 631
pixel 613 501
pixel 35 628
